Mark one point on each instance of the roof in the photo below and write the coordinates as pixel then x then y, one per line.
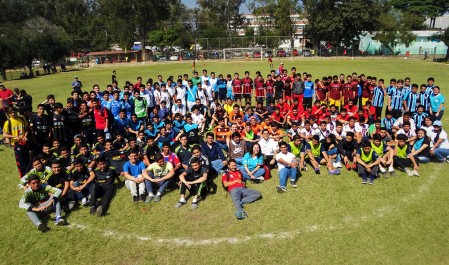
pixel 110 53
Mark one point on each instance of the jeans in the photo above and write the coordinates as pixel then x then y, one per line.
pixel 269 99
pixel 422 159
pixel 334 151
pixel 161 186
pixel 222 145
pixel 441 154
pixel 242 196
pixel 133 187
pixel 34 216
pixel 217 165
pixel 83 193
pixel 239 161
pixel 259 173
pixel 286 172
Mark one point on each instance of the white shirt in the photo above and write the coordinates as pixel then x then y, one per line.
pixel 411 133
pixel 175 109
pixel 443 135
pixel 268 147
pixel 321 134
pixel 428 129
pixel 197 118
pixel 181 94
pixel 356 129
pixel 202 96
pixel 209 91
pixel 288 157
pixel 342 134
pixel 305 132
pixel 400 121
pixel 203 79
pixel 165 96
pixel 293 132
pixel 364 129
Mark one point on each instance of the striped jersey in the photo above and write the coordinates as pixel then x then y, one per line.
pixel 396 95
pixel 411 100
pixel 419 119
pixel 388 123
pixel 424 99
pixel 34 198
pixel 378 97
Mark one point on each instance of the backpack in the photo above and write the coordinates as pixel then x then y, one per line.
pixel 228 175
pixel 111 118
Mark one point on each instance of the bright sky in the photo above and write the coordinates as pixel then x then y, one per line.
pixel 192 3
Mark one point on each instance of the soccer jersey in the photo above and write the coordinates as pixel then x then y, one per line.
pixel 247 85
pixel 378 97
pixel 335 89
pixel 237 86
pixel 411 100
pixel 269 84
pixel 396 96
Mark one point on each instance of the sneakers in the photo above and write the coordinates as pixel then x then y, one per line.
pixel 135 199
pixel 317 171
pixel 240 215
pixel 99 211
pixel 305 168
pixel 194 205
pixel 415 173
pixel 281 189
pixel 84 201
pixel 334 172
pixel 157 198
pixel 354 166
pixel 41 227
pixel 409 173
pixel 141 197
pixel 364 181
pixel 71 205
pixel 293 183
pixel 92 210
pixel 348 166
pixel 371 181
pixel 383 170
pixel 261 178
pixel 337 165
pixel 149 199
pixel 59 221
pixel 179 204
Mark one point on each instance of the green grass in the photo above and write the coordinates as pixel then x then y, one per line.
pixel 326 220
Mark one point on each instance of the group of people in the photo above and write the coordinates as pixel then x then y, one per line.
pixel 184 132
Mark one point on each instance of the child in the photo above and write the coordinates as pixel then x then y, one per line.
pixel 367 162
pixel 402 157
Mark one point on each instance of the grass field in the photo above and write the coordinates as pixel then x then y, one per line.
pixel 326 220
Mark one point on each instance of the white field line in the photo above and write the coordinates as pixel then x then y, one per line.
pixel 354 221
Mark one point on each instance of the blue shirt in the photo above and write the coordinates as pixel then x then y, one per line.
pixel 134 169
pixel 252 162
pixel 387 123
pixel 120 125
pixel 424 100
pixel 419 119
pixel 116 106
pixel 436 101
pixel 378 97
pixel 178 125
pixel 135 125
pixel 191 93
pixel 396 96
pixel 411 100
pixel 213 152
pixel 308 89
pixel 221 84
pixel 189 127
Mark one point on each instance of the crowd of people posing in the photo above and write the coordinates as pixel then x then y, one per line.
pixel 184 132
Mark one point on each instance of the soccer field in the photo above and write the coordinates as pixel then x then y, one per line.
pixel 326 220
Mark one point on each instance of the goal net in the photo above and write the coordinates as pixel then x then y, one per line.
pixel 249 54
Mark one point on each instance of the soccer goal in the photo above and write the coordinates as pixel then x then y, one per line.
pixel 249 54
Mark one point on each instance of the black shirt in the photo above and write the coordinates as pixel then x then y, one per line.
pixel 80 176
pixel 105 178
pixel 59 127
pixel 194 175
pixel 58 181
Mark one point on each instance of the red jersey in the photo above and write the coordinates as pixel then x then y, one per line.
pixel 278 118
pixel 366 91
pixel 294 118
pixel 101 116
pixel 321 92
pixel 284 108
pixel 299 107
pixel 247 85
pixel 348 91
pixel 269 85
pixel 351 110
pixel 260 89
pixel 335 89
pixel 237 86
pixel 231 176
pixel 345 118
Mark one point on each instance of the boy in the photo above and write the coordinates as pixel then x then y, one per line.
pixel 402 157
pixel 158 173
pixel 192 179
pixel 367 162
pixel 41 199
pixel 102 187
pixel 132 170
pixel 232 181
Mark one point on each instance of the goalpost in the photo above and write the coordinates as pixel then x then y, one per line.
pixel 250 54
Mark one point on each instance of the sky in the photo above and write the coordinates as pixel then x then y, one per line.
pixel 192 3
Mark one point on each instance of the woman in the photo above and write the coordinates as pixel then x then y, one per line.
pixel 253 164
pixel 439 141
pixel 436 104
pixel 427 125
pixel 421 147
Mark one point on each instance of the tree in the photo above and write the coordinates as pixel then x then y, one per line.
pixel 394 29
pixel 424 8
pixel 220 14
pixel 444 37
pixel 282 20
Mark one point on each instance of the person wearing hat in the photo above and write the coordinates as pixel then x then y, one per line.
pixel 76 84
pixel 439 142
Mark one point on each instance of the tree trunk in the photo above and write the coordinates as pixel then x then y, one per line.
pixel 3 74
pixel 142 42
pixel 30 67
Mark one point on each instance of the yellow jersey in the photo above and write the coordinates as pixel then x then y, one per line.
pixel 18 127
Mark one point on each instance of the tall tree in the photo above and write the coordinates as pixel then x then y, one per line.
pixel 220 14
pixel 424 8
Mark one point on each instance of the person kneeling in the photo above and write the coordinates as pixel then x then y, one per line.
pixel 192 179
pixel 41 199
pixel 158 173
pixel 367 162
pixel 240 195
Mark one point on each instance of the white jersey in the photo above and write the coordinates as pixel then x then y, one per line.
pixel 181 94
pixel 443 135
pixel 321 134
pixel 400 121
pixel 209 91
pixel 355 129
pixel 201 94
pixel 203 79
pixel 197 119
pixel 164 95
pixel 342 134
pixel 306 133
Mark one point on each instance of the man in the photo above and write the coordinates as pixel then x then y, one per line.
pixel 269 149
pixel 317 155
pixel 159 174
pixel 184 153
pixel 40 128
pixel 15 130
pixel 222 133
pixel 192 180
pixel 287 164
pixel 39 170
pixel 367 162
pixel 102 187
pixel 77 85
pixel 80 181
pixel 140 106
pixel 214 153
pixel 41 199
pixel 101 117
pixel 6 95
pixel 347 148
pixel 232 181
pixel 135 181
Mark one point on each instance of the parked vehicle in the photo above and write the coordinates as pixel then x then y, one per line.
pixel 295 52
pixel 257 54
pixel 306 53
pixel 281 53
pixel 174 58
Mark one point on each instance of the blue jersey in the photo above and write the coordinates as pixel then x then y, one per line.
pixel 429 90
pixel 120 125
pixel 378 97
pixel 411 100
pixel 116 107
pixel 424 100
pixel 221 85
pixel 419 119
pixel 308 89
pixel 396 95
pixel 388 123
pixel 191 93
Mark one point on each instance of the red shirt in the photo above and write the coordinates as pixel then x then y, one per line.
pixel 284 108
pixel 4 94
pixel 321 92
pixel 345 118
pixel 269 84
pixel 366 91
pixel 348 91
pixel 335 89
pixel 247 85
pixel 101 116
pixel 233 175
pixel 237 86
pixel 294 118
pixel 260 89
pixel 278 118
pixel 351 110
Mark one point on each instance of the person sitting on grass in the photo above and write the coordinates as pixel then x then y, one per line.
pixel 214 152
pixel 159 174
pixel 80 181
pixel 40 200
pixel 192 180
pixel 402 157
pixel 317 155
pixel 132 170
pixel 287 165
pixel 367 162
pixel 103 186
pixel 232 181
pixel 39 169
pixel 347 148
pixel 385 154
pixel 253 164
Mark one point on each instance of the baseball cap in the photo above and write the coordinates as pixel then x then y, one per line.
pixel 75 77
pixel 282 63
pixel 438 123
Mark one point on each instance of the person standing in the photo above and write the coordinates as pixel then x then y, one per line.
pixel 15 130
pixel 436 104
